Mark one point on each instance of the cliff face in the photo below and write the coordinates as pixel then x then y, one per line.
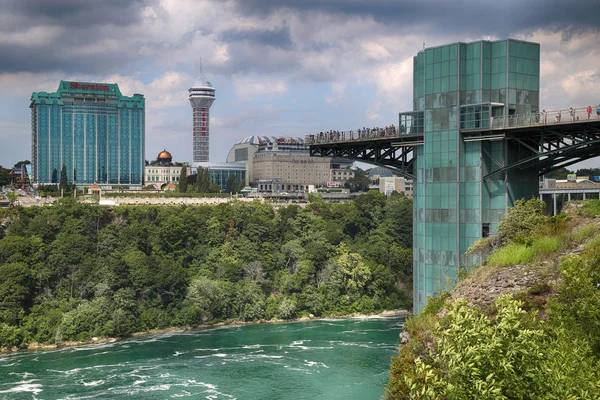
pixel 497 333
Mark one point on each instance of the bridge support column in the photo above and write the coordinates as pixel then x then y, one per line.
pixel 584 196
pixel 569 196
pixel 554 202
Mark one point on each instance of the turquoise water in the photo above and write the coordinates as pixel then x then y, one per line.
pixel 324 359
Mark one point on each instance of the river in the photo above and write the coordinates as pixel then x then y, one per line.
pixel 320 359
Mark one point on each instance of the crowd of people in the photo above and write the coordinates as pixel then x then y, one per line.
pixel 376 132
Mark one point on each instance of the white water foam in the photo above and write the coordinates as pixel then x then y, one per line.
pixel 93 383
pixel 24 387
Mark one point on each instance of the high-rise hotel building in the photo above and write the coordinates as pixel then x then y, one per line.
pixel 92 129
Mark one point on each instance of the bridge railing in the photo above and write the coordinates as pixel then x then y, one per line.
pixel 555 117
pixel 356 135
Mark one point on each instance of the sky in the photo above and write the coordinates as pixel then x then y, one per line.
pixel 279 67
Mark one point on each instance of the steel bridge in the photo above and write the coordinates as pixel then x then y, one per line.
pixel 555 139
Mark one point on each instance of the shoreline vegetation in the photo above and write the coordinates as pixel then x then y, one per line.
pixel 176 329
pixel 75 271
pixel 523 325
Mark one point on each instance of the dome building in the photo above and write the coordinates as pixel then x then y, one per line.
pixel 162 171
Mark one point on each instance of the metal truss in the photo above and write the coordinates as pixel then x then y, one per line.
pixel 552 147
pixel 391 154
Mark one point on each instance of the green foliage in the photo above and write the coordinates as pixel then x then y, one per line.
pixel 584 232
pixel 522 220
pixel 517 253
pixel 75 271
pixel 509 356
pixel 183 185
pixel 590 208
pixel 4 176
pixel 359 182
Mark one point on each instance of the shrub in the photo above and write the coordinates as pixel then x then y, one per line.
pixel 510 356
pixel 522 219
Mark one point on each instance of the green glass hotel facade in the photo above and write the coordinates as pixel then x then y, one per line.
pixel 92 129
pixel 458 87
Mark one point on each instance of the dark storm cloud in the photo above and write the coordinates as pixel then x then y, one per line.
pixel 75 13
pixel 466 17
pixel 279 37
pixel 75 28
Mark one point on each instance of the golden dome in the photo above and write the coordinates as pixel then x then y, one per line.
pixel 164 155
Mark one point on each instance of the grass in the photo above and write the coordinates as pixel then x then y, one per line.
pixel 516 253
pixel 590 208
pixel 584 233
pixel 591 244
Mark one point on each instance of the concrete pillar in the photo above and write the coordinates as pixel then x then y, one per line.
pixel 554 202
pixel 569 196
pixel 583 195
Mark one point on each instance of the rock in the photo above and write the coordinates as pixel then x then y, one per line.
pixel 394 313
pixel 94 339
pixel 311 316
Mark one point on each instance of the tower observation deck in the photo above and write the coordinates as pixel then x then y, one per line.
pixel 475 142
pixel 201 96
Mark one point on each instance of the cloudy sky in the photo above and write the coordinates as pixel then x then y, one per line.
pixel 280 67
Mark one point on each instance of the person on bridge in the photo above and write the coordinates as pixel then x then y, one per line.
pixel 572 114
pixel 598 111
pixel 589 111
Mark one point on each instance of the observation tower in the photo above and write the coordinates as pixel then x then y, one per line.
pixel 201 96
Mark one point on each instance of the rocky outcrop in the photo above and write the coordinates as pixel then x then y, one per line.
pixel 394 313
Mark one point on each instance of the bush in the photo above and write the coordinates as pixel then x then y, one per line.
pixel 510 356
pixel 522 219
pixel 11 336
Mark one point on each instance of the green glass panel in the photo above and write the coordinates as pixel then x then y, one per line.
pixel 429 86
pixel 512 80
pixel 495 68
pixel 437 55
pixel 512 64
pixel 469 67
pixel 486 65
pixel 512 48
pixel 476 50
pixel 437 85
pixel 437 70
pixel 429 71
pixel 445 84
pixel 445 53
pixel 445 68
pixel 453 68
pixel 453 52
pixel 470 51
pixel 486 81
pixel 429 56
pixel 476 66
pixel 476 83
pixel 520 65
pixel 502 80
pixel 452 83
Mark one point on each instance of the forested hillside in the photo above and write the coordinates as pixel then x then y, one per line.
pixel 74 271
pixel 524 325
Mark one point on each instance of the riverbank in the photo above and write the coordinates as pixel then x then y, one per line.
pixel 40 346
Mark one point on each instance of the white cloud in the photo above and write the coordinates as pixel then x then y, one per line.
pixel 249 88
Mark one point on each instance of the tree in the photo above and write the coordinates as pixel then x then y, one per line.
pixel 359 182
pixel 4 178
pixel 63 178
pixel 202 180
pixel 183 180
pixel 234 185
